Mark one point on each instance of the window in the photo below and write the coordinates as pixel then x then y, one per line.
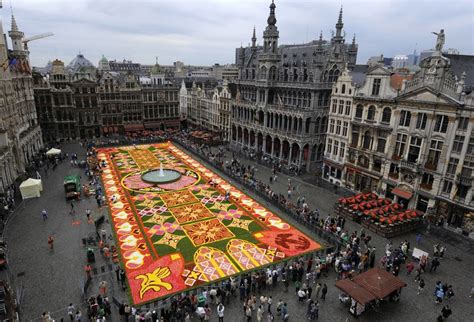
pixel 377 165
pixel 338 127
pixel 359 111
pixel 355 137
pixel 421 121
pixel 414 150
pixel 367 140
pixel 458 143
pixel 427 181
pixel 371 113
pixel 470 147
pixel 434 154
pixel 341 107
pixel 334 106
pixel 463 122
pixel 452 166
pixel 381 142
pixel 344 129
pixel 329 149
pixel 386 115
pixel 405 118
pixel 348 107
pixel 331 126
pixel 400 144
pixel 343 89
pixel 343 150
pixel 447 186
pixel 441 124
pixel 376 86
pixel 336 148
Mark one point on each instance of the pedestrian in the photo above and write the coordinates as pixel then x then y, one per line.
pixel 78 316
pixel 117 272
pixel 450 292
pixel 446 311
pixel 284 312
pixel 442 249
pixel 324 291
pixel 259 313
pixel 103 288
pixel 269 302
pixel 317 289
pixel 410 267
pixel 44 214
pixel 72 212
pixel 70 311
pixel 439 295
pixel 87 270
pixel 280 305
pixel 421 286
pixel 88 214
pixel 220 312
pixel 51 241
pixel 434 264
pixel 248 313
pixel 418 238
pixel 123 280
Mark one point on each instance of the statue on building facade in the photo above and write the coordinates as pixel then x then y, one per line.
pixel 440 40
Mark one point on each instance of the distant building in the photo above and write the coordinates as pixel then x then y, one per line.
pixel 79 101
pixel 125 66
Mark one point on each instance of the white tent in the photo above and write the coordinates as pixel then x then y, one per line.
pixel 31 188
pixel 53 151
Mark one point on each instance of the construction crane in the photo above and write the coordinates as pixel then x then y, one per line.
pixel 27 40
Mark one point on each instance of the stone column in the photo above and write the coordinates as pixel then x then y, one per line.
pixel 289 154
pixel 300 158
pixel 264 144
pixel 273 147
pixel 281 150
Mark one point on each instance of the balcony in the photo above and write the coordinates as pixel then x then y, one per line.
pixel 431 166
pixel 426 186
pixel 409 165
pixel 464 180
pixel 393 175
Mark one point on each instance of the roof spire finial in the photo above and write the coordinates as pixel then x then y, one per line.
pixel 254 38
pixel 321 35
pixel 354 39
pixel 271 18
pixel 339 24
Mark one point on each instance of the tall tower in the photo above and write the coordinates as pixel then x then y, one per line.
pixel 254 39
pixel 16 36
pixel 270 58
pixel 271 34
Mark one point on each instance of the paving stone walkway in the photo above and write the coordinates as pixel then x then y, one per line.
pixel 54 278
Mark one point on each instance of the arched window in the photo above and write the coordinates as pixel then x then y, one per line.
pixel 333 74
pixel 386 115
pixel 359 111
pixel 371 113
pixel 263 72
pixel 343 89
pixel 273 73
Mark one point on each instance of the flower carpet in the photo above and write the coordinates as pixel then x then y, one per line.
pixel 184 234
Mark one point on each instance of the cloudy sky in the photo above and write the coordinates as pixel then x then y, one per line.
pixel 204 32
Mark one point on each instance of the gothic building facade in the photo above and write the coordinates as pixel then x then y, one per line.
pixel 207 109
pixel 80 102
pixel 409 139
pixel 20 133
pixel 283 93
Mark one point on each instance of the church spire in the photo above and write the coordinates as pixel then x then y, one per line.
pixel 254 38
pixel 321 36
pixel 339 25
pixel 16 36
pixel 14 25
pixel 271 18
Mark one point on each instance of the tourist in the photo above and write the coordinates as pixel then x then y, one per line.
pixel 103 287
pixel 280 305
pixel 220 312
pixel 446 311
pixel 324 291
pixel 51 241
pixel 421 286
pixel 284 312
pixel 70 311
pixel 259 313
pixel 207 313
pixel 434 264
pixel 78 316
pixel 442 249
pixel 269 301
pixel 248 313
pixel 72 211
pixel 439 295
pixel 88 214
pixel 44 214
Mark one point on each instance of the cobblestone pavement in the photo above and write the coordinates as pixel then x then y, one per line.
pixel 53 278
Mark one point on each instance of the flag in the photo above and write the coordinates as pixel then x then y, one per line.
pixel 5 64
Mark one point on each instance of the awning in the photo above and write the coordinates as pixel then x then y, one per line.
pixel 175 122
pixel 153 125
pixel 133 127
pixel 402 193
pixel 379 282
pixel 357 292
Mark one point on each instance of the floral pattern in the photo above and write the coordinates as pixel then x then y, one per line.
pixel 207 231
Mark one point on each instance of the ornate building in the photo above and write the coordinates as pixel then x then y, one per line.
pixel 411 137
pixel 81 102
pixel 281 106
pixel 20 133
pixel 208 109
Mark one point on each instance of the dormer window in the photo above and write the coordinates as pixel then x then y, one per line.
pixel 376 87
pixel 343 89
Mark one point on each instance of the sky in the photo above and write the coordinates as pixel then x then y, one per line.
pixel 205 32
